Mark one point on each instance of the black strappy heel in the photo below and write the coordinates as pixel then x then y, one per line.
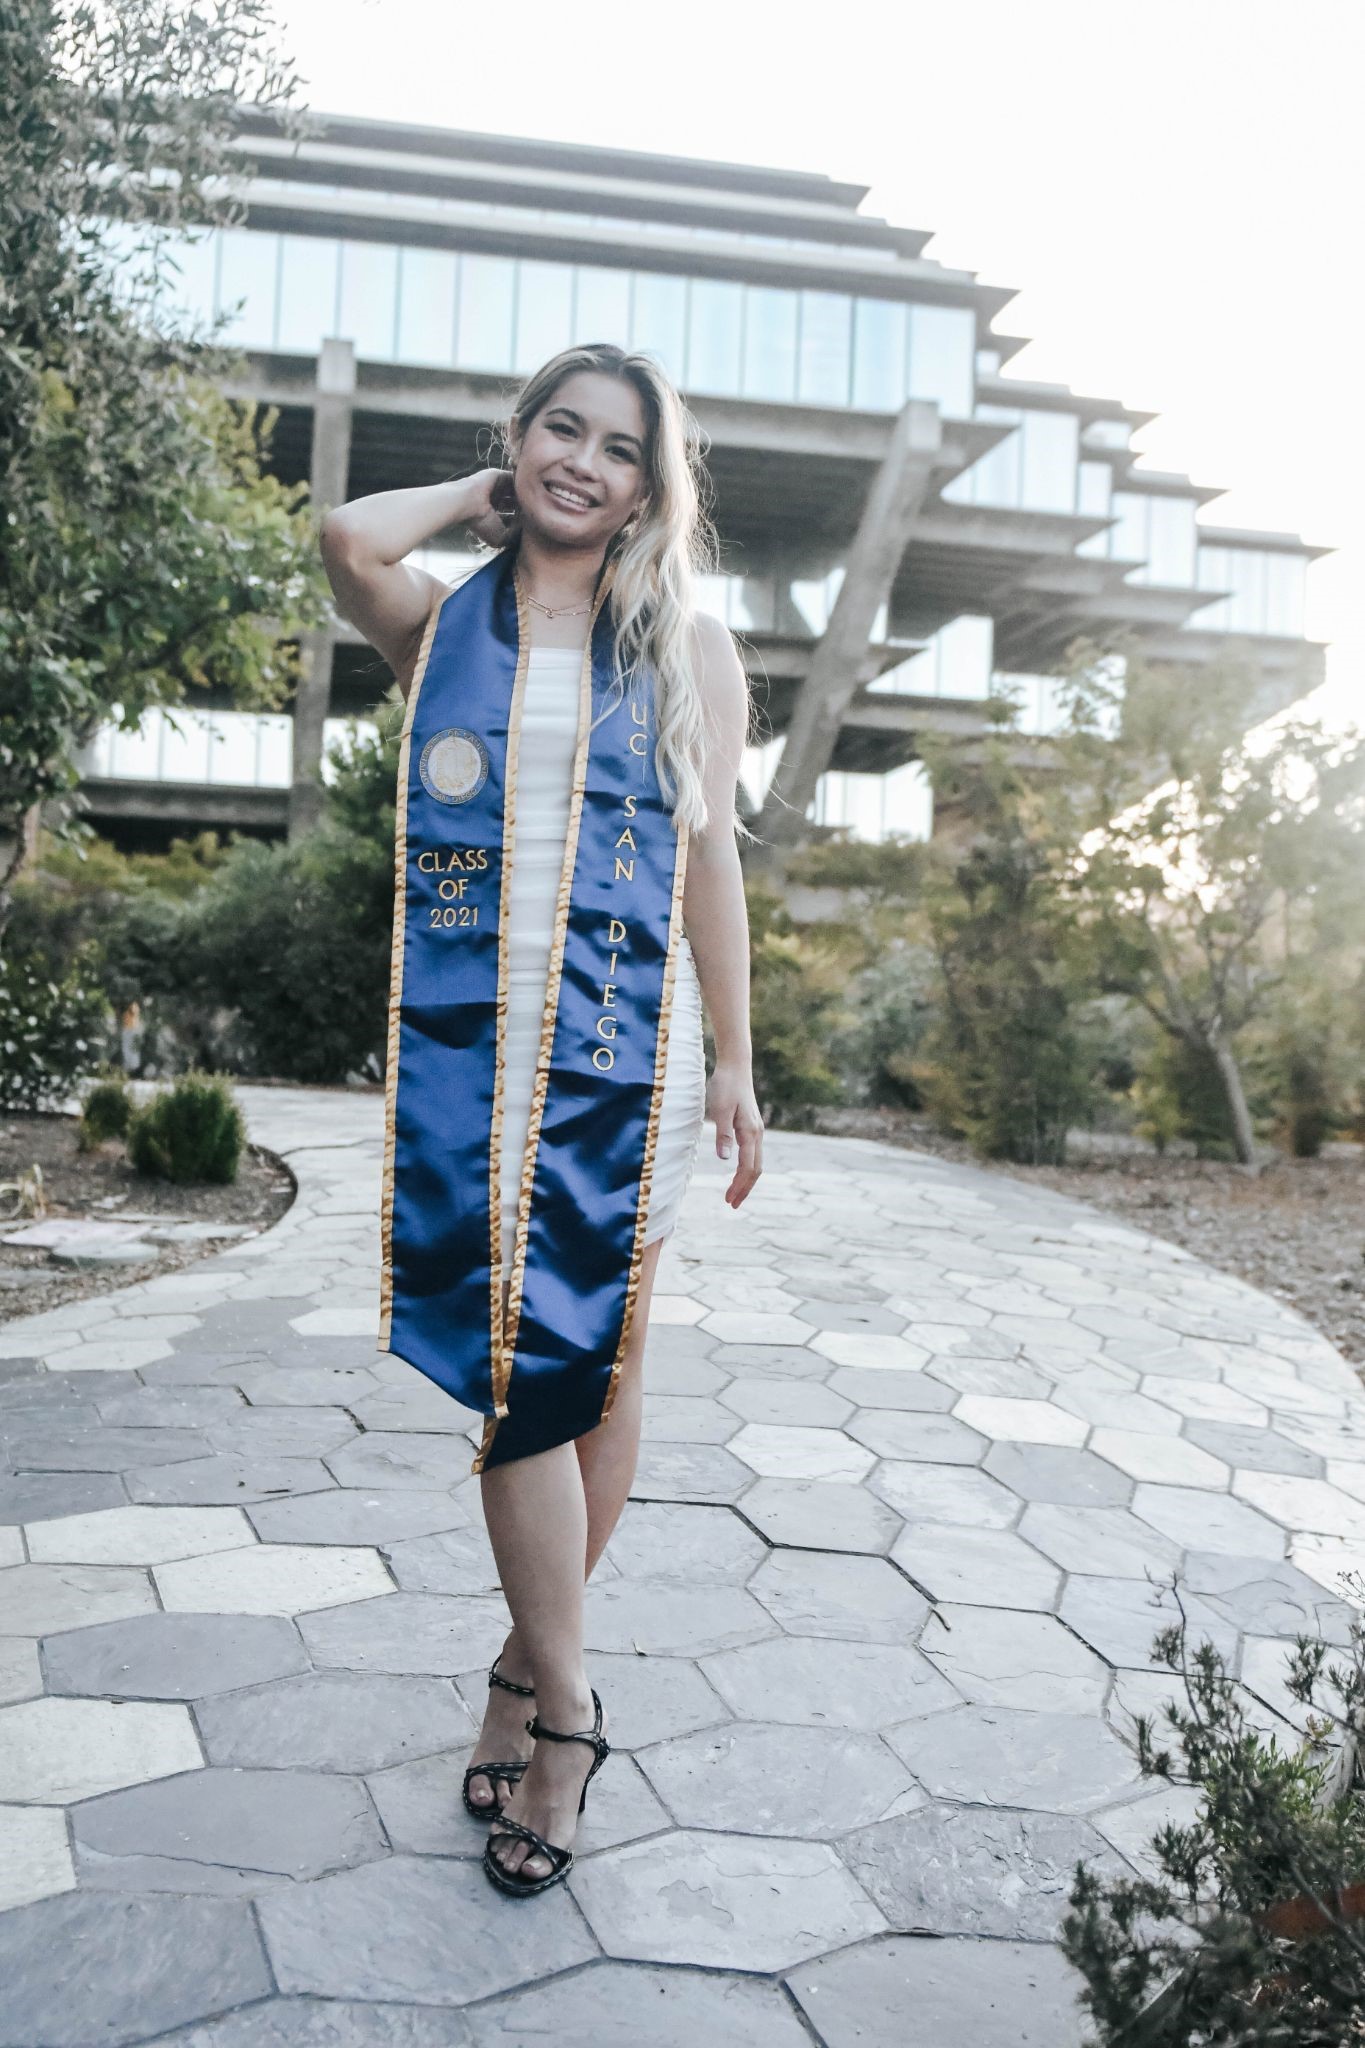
pixel 560 1860
pixel 511 1771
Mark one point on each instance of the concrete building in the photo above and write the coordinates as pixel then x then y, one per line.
pixel 905 528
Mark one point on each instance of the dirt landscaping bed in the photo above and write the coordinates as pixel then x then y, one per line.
pixel 102 1186
pixel 1293 1227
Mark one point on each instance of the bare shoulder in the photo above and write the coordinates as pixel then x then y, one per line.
pixel 719 667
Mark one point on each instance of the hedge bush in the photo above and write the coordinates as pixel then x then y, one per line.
pixel 191 1130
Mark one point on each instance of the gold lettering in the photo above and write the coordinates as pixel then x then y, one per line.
pixel 616 932
pixel 638 713
pixel 627 839
pixel 608 993
pixel 447 889
pixel 603 1031
pixel 426 861
pixel 643 747
pixel 624 867
pixel 630 806
pixel 614 958
pixel 604 1058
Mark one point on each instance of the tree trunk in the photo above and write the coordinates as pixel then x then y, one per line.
pixel 1239 1116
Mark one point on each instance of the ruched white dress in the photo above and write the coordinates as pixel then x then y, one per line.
pixel 549 731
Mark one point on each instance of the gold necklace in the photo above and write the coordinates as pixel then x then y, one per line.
pixel 563 611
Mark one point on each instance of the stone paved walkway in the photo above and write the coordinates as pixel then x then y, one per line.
pixel 871 1632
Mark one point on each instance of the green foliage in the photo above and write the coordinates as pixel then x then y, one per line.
pixel 52 1029
pixel 1178 1093
pixel 143 552
pixel 796 996
pixel 879 1050
pixel 106 1112
pixel 1244 1937
pixel 191 1130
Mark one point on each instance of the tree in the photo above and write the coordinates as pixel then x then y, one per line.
pixel 1219 866
pixel 143 551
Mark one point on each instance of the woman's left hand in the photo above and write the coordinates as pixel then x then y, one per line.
pixel 733 1108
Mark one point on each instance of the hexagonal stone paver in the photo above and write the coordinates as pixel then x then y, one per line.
pixel 1169 1460
pixel 874 1350
pixel 1050 1472
pixel 346 1515
pixel 139 1535
pixel 173 1656
pixel 689 1472
pixel 454 1561
pixel 663 1619
pixel 1007 1420
pixel 969 1870
pixel 697 1544
pixel 433 1633
pixel 130 1968
pixel 328 2023
pixel 1187 1516
pixel 20 1675
pixel 1266 1596
pixel 293 1823
pixel 820 1514
pixel 53 1751
pixel 920 1991
pixel 982 1567
pixel 1119 1618
pixel 203 1481
pixel 423 1811
pixel 35 1856
pixel 729 1901
pixel 1100 1542
pixel 39 1447
pixel 860 1599
pixel 425 1462
pixel 825 1684
pixel 999 1657
pixel 781 1453
pixel 960 1494
pixel 42 1599
pixel 335 1721
pixel 802 1402
pixel 272 1578
pixel 606 2004
pixel 648 1699
pixel 759 1779
pixel 934 1438
pixel 1309 1505
pixel 384 1931
pixel 1004 1756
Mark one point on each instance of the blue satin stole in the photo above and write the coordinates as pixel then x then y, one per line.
pixel 549 1371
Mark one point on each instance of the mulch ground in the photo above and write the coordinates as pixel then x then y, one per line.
pixel 1292 1227
pixel 102 1184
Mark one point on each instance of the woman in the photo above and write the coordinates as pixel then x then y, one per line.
pixel 545 1020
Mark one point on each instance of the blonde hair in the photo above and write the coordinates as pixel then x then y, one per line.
pixel 654 560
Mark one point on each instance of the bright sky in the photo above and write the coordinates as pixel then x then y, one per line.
pixel 1175 188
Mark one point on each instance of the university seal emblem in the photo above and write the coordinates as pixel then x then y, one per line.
pixel 454 765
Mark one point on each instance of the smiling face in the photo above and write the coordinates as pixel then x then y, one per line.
pixel 582 462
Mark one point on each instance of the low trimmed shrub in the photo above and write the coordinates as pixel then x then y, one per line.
pixel 53 1027
pixel 106 1112
pixel 191 1130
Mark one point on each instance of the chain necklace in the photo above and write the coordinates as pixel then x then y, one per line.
pixel 563 611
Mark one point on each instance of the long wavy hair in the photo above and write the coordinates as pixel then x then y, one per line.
pixel 655 560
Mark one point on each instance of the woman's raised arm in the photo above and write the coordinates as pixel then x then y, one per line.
pixel 363 547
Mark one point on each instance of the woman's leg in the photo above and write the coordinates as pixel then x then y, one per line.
pixel 549 1518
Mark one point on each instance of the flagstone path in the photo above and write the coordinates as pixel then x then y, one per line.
pixel 925 1448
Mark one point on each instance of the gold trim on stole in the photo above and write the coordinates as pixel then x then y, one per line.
pixel 540 1085
pixel 400 884
pixel 655 1111
pixel 499 1351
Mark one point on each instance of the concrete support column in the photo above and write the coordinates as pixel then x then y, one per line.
pixel 333 411
pixel 893 504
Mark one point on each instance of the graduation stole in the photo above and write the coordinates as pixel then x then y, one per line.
pixel 549 1371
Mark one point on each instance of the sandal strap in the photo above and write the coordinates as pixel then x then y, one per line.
pixel 495 1677
pixel 511 1770
pixel 553 1854
pixel 593 1736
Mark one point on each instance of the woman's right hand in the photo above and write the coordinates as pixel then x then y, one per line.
pixel 492 514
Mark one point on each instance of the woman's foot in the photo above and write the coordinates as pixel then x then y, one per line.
pixel 503 1737
pixel 547 1798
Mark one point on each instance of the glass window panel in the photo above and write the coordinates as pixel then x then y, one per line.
pixel 308 292
pixel 713 335
pixel 1171 537
pixel 942 354
pixel 826 344
pixel 275 751
pixel 602 305
pixel 135 756
pixel 1248 604
pixel 369 298
pixel 426 306
pixel 544 313
pixel 1214 573
pixel 1050 449
pixel 487 295
pixel 1094 483
pixel 248 269
pixel 880 329
pixel 188 271
pixel 754 604
pixel 1128 535
pixel 769 343
pixel 232 747
pixel 997 479
pixel 1286 576
pixel 907 801
pixel 185 753
pixel 965 653
pixel 660 318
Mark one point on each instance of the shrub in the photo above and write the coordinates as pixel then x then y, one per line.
pixel 191 1130
pixel 53 1026
pixel 891 1009
pixel 1254 1931
pixel 1179 1093
pixel 794 1006
pixel 106 1112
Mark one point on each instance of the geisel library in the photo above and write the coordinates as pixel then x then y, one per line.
pixel 904 529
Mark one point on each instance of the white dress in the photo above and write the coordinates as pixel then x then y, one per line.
pixel 549 732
